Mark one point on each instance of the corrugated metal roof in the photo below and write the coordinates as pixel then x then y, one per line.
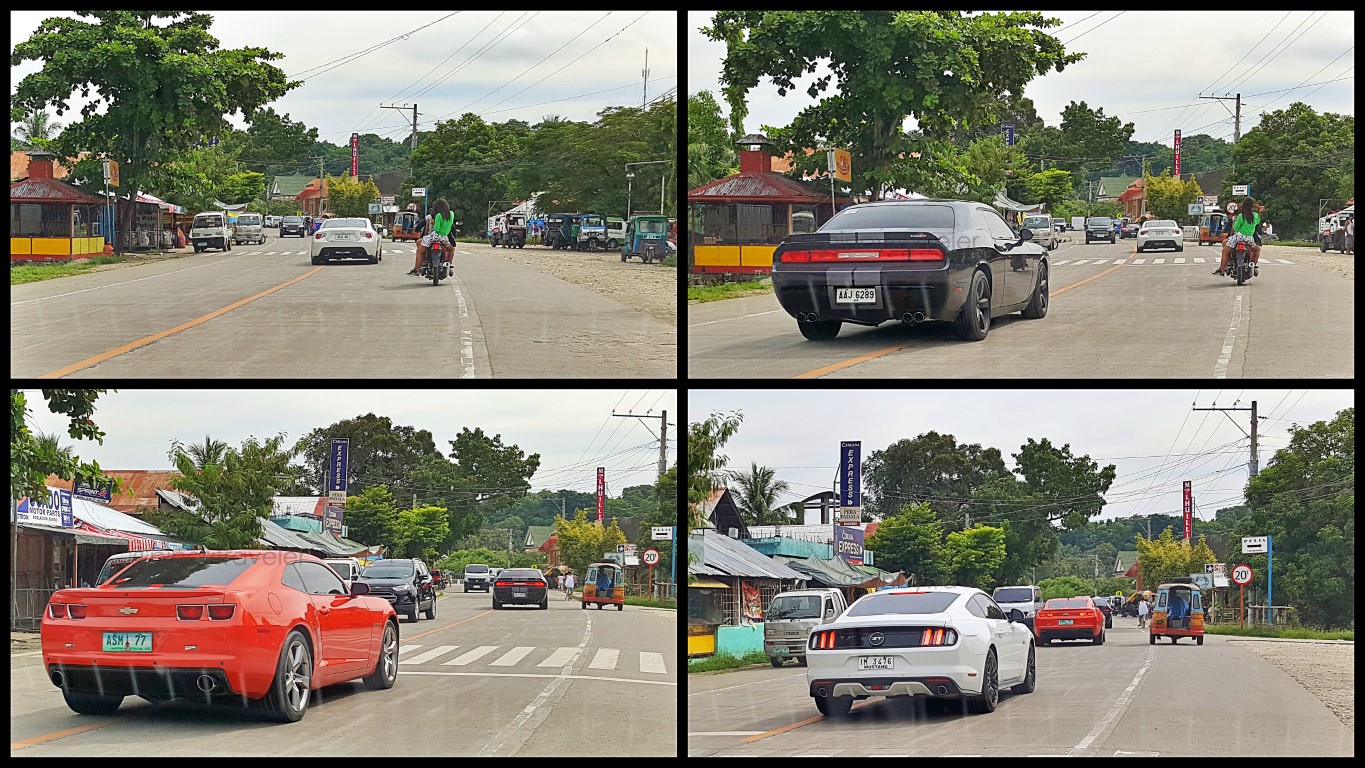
pixel 101 516
pixel 139 487
pixel 276 536
pixel 770 187
pixel 298 505
pixel 725 556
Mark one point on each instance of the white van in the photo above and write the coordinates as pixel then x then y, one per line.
pixel 348 568
pixel 616 232
pixel 211 229
pixel 1027 598
pixel 792 615
pixel 249 229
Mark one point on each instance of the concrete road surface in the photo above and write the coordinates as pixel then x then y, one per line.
pixel 264 311
pixel 1114 313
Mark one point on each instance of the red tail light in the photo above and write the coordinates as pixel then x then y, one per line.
pixel 189 612
pixel 823 640
pixel 77 611
pixel 222 612
pixel 56 610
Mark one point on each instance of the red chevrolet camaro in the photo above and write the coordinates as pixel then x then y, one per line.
pixel 265 627
pixel 1069 618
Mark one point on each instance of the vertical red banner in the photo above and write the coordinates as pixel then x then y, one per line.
pixel 1187 509
pixel 355 155
pixel 601 492
pixel 1177 154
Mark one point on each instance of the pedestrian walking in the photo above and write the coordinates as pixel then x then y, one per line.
pixel 569 582
pixel 1142 613
pixel 559 582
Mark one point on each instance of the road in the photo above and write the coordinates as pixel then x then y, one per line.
pixel 559 683
pixel 264 311
pixel 1114 313
pixel 1123 698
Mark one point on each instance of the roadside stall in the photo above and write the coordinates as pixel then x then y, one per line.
pixel 51 220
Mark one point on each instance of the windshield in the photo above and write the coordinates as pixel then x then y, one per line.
pixel 521 573
pixel 592 221
pixel 795 607
pixel 476 569
pixel 647 227
pixel 183 572
pixel 388 571
pixel 1013 595
pixel 249 219
pixel 1105 222
pixel 894 216
pixel 902 602
pixel 1039 222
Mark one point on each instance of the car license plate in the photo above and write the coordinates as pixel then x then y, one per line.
pixel 518 593
pixel 342 237
pixel 874 662
pixel 781 649
pixel 855 295
pixel 1065 621
pixel 118 642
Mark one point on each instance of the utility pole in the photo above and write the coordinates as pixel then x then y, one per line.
pixel 414 120
pixel 1255 462
pixel 1236 115
pixel 630 176
pixel 663 435
pixel 645 92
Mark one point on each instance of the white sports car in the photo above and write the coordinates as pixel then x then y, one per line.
pixel 346 238
pixel 941 642
pixel 1160 233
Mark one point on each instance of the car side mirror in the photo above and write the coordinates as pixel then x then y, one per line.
pixel 1016 615
pixel 1025 234
pixel 360 588
pixel 829 614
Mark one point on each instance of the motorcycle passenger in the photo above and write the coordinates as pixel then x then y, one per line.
pixel 1244 230
pixel 436 227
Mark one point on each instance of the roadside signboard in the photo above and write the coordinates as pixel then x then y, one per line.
pixel 651 557
pixel 419 191
pixel 601 492
pixel 1195 209
pixel 1254 545
pixel 336 498
pixel 337 465
pixel 1241 190
pixel 332 519
pixel 850 481
pixel 848 544
pixel 1241 575
pixel 661 533
pixel 82 491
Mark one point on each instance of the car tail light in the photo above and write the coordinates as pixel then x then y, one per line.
pixel 189 612
pixel 793 257
pixel 822 640
pixel 368 235
pixel 56 610
pixel 77 610
pixel 937 636
pixel 222 611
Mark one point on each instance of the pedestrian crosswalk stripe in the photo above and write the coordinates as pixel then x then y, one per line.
pixel 513 656
pixel 1180 260
pixel 439 650
pixel 1119 261
pixel 1062 261
pixel 1282 261
pixel 473 655
pixel 1139 261
pixel 1198 260
pixel 1158 261
pixel 605 659
pixel 652 663
pixel 559 658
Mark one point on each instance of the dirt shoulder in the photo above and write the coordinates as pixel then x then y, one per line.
pixel 1327 670
pixel 1337 263
pixel 651 288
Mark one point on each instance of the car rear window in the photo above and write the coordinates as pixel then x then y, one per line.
pixel 1013 595
pixel 1163 223
pixel 1068 602
pixel 912 216
pixel 913 603
pixel 183 572
pixel 521 573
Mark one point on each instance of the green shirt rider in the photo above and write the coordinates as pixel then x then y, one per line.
pixel 437 227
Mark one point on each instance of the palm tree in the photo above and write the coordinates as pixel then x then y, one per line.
pixel 202 454
pixel 50 447
pixel 758 490
pixel 36 125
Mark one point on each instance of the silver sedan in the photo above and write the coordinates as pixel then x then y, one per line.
pixel 346 239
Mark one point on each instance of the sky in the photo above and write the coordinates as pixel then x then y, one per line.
pixel 572 430
pixel 450 62
pixel 798 433
pixel 1146 67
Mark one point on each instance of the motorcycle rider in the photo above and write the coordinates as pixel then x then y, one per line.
pixel 438 226
pixel 1244 230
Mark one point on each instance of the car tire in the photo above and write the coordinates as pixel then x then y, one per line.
pixel 1043 641
pixel 1151 639
pixel 466 589
pixel 496 604
pixel 1030 675
pixel 820 330
pixel 834 706
pixel 1139 249
pixel 431 612
pixel 287 699
pixel 414 615
pixel 1099 640
pixel 1180 249
pixel 375 258
pixel 545 603
pixel 620 607
pixel 971 323
pixel 1037 306
pixel 776 662
pixel 386 668
pixel 1199 640
pixel 1108 623
pixel 91 703
pixel 197 249
pixel 990 688
pixel 316 261
pixel 800 661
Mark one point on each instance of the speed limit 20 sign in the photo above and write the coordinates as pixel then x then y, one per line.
pixel 1241 575
pixel 651 557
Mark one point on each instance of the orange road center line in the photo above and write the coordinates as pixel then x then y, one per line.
pixel 144 341
pixel 818 372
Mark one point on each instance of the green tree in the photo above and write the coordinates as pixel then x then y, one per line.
pixel 482 477
pixel 756 495
pixel 372 516
pixel 380 452
pixel 233 497
pixel 931 467
pixel 1051 187
pixel 351 197
pixel 278 142
pixel 243 187
pixel 203 454
pixel 710 147
pixel 704 473
pixel 1321 164
pixel 887 67
pixel 158 89
pixel 911 540
pixel 420 532
pixel 36 128
pixel 582 541
pixel 33 458
pixel 974 555
pixel 1169 197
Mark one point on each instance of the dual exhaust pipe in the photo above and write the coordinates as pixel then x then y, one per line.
pixel 912 317
pixel 205 683
pixel 823 692
pixel 812 317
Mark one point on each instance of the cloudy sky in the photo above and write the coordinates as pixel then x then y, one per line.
pixel 572 430
pixel 487 62
pixel 1146 67
pixel 1153 438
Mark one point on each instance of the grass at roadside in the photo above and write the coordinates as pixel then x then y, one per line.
pixel 723 662
pixel 1292 633
pixel 704 293
pixel 32 273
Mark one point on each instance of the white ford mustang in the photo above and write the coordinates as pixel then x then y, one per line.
pixel 941 642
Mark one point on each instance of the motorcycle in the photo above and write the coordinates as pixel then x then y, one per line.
pixel 434 266
pixel 1239 265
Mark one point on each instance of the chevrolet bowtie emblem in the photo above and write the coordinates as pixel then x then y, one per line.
pixel 127 611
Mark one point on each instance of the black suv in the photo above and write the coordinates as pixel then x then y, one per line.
pixel 407 583
pixel 477 576
pixel 1099 228
pixel 293 225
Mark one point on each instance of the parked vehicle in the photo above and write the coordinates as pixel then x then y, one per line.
pixel 616 232
pixel 265 628
pixel 348 568
pixel 404 582
pixel 293 225
pixel 1059 224
pixel 508 230
pixel 1069 618
pixel 790 618
pixel 560 230
pixel 938 642
pixel 346 239
pixel 1332 234
pixel 1100 228
pixel 1043 232
pixel 1027 598
pixel 477 576
pixel 1178 612
pixel 249 229
pixel 591 232
pixel 521 586
pixel 1078 223
pixel 272 222
pixel 604 584
pixel 439 578
pixel 954 261
pixel 211 230
pixel 645 238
